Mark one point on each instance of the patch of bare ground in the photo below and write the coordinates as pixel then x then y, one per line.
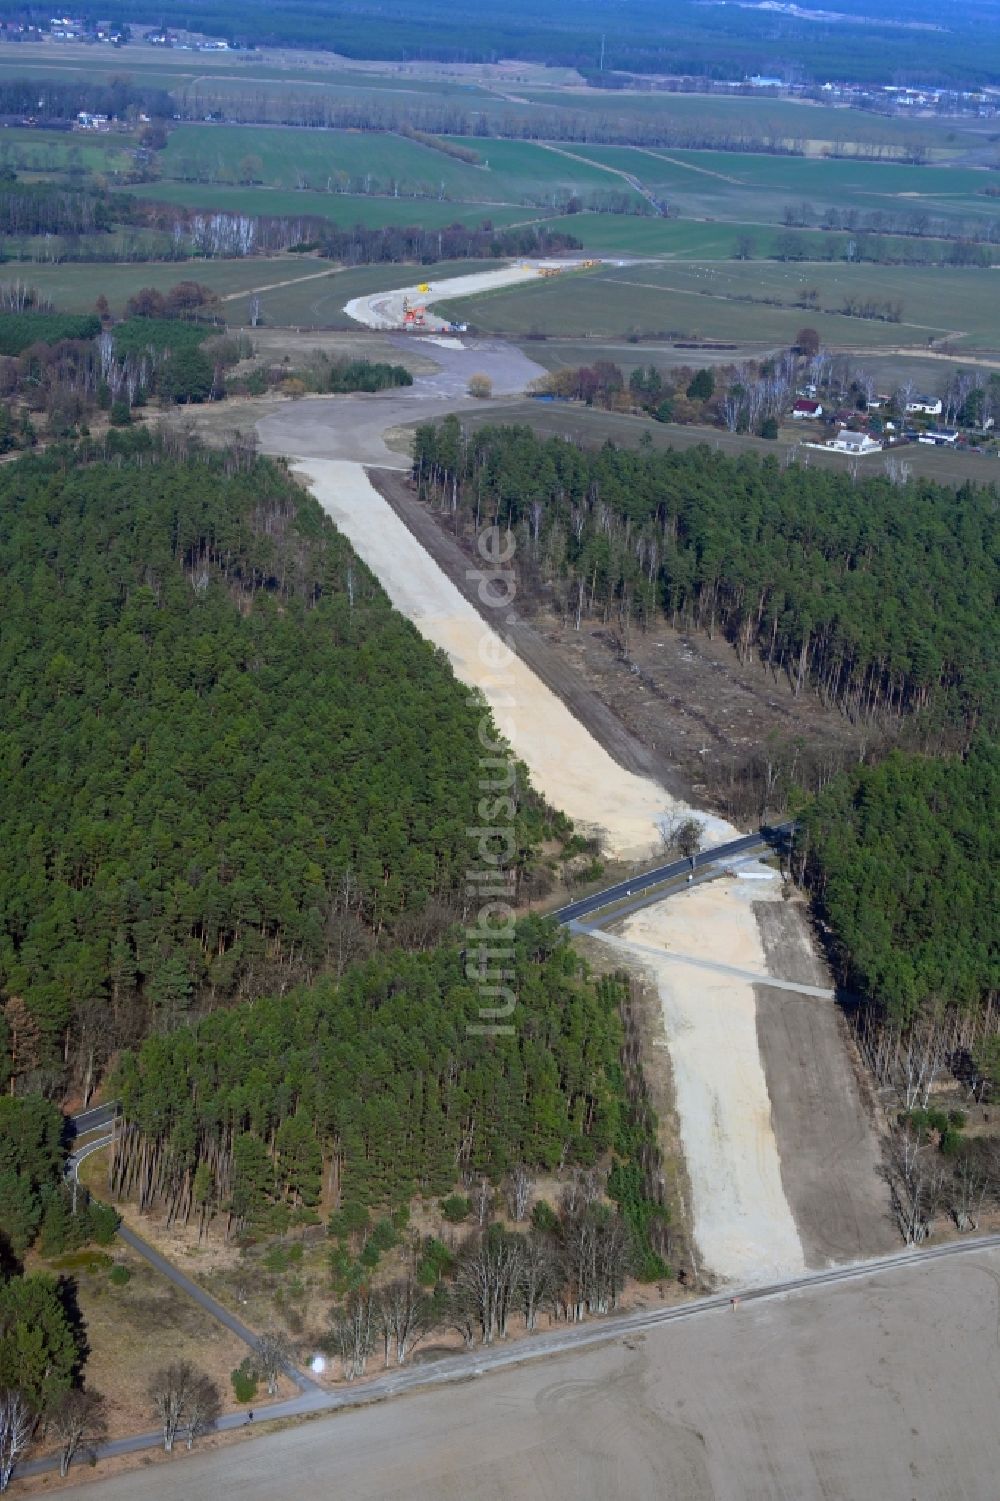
pixel 672 704
pixel 828 1141
pixel 273 345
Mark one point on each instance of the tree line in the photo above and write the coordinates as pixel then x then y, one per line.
pixel 47 99
pixel 882 598
pixel 270 770
pixel 51 208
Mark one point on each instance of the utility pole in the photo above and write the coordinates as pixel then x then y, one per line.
pixel 603 39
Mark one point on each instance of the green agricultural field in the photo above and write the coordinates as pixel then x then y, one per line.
pixel 725 301
pixel 74 286
pixel 684 239
pixel 44 151
pixel 511 172
pixel 321 160
pixel 343 209
pixel 537 170
pixel 73 64
pixel 749 118
pixel 759 188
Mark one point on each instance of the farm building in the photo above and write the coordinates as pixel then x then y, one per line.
pixel 805 407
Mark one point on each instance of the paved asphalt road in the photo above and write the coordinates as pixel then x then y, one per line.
pixel 637 885
pixel 212 1306
pixel 92 1120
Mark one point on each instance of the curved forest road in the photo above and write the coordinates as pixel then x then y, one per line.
pixel 83 1124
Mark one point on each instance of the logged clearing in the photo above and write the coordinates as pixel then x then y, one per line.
pixel 135 1330
pixel 566 764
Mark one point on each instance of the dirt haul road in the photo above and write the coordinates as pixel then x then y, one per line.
pixel 388 309
pixel 880 1390
pixel 744 1223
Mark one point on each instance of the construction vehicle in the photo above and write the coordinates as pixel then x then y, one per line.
pixel 424 286
pixel 413 317
pixel 549 270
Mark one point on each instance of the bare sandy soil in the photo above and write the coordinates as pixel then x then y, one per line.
pixel 386 309
pixel 744 1221
pixel 881 1390
pixel 829 1149
pixel 743 1225
pixel 566 763
pixel 781 1154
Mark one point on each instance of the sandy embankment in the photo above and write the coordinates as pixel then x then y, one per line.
pixel 743 1225
pixel 385 309
pixel 566 763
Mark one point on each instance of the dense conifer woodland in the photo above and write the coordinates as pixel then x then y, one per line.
pixel 237 811
pixel 227 761
pixel 902 860
pixel 373 1089
pixel 880 598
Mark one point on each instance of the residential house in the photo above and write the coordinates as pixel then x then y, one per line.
pixel 806 407
pixel 855 443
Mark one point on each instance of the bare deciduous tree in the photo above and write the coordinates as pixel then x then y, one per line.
pixel 78 1421
pixel 539 1278
pixel 204 1405
pixel 482 1202
pixel 582 1189
pixel 17 1424
pixel 519 1186
pixel 597 1251
pixel 271 1355
pixel 405 1316
pixel 170 1392
pixel 969 1187
pixel 916 1179
pixel 353 1333
pixel 488 1275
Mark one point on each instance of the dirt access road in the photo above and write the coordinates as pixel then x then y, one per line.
pixel 875 1390
pixel 387 309
pixel 587 765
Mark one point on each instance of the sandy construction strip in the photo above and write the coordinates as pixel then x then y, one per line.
pixel 385 309
pixel 743 1225
pixel 566 764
